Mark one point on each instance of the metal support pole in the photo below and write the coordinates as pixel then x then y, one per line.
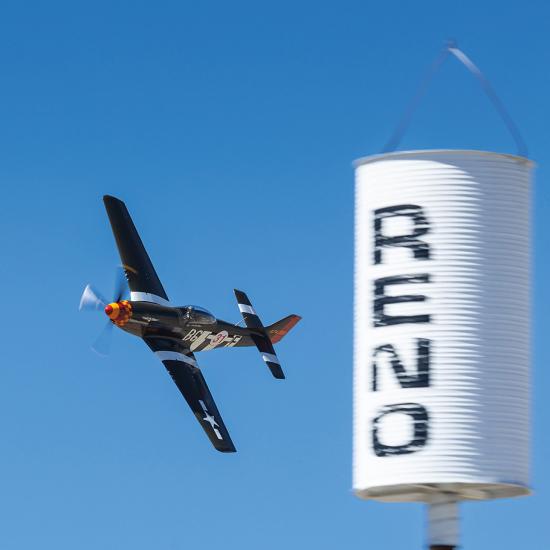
pixel 443 523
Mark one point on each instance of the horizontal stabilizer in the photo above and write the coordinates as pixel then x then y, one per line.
pixel 259 334
pixel 265 347
pixel 250 316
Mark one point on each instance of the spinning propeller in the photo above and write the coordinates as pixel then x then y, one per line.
pixel 92 300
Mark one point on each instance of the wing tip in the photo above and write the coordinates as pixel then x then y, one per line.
pixel 110 199
pixel 227 450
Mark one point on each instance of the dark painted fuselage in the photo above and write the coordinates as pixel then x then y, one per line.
pixel 197 330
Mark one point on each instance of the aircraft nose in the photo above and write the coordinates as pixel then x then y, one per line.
pixel 111 310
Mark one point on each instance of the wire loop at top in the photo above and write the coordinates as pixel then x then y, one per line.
pixel 451 48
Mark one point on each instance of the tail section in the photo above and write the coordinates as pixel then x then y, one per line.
pixel 265 347
pixel 250 316
pixel 262 337
pixel 278 330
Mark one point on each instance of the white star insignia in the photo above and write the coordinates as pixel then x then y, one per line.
pixel 211 420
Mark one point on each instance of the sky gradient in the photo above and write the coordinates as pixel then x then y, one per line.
pixel 229 129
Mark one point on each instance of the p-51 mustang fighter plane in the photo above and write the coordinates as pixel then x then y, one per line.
pixel 175 333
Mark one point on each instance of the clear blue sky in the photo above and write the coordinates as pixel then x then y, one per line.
pixel 229 128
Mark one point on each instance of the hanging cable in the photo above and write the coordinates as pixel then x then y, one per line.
pixel 452 48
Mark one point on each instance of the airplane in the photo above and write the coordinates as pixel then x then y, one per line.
pixel 175 334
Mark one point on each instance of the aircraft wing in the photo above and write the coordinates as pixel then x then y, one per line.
pixel 145 286
pixel 182 367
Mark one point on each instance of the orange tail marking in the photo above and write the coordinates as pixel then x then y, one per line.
pixel 276 335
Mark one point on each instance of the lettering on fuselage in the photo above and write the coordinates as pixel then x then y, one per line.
pixel 197 337
pixel 149 319
pixel 387 354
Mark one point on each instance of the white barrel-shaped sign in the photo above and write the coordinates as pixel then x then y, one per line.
pixel 442 325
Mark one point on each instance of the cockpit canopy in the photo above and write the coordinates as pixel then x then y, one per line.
pixel 197 314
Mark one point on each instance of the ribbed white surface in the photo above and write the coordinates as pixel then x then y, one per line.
pixel 477 205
